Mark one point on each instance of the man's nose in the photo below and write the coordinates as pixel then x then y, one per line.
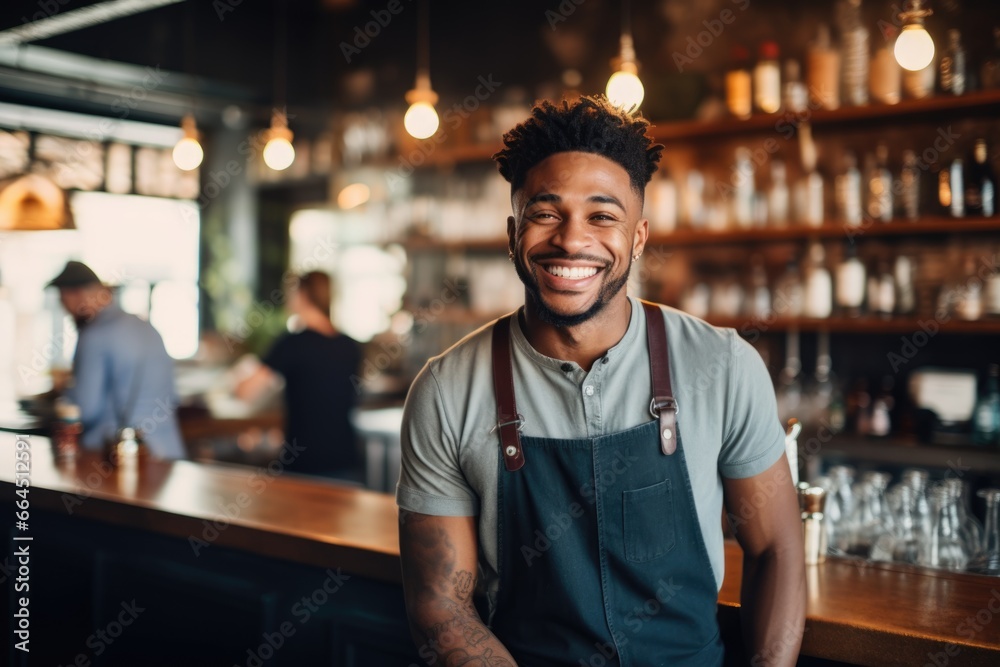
pixel 572 235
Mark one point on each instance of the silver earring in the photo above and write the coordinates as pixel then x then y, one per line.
pixel 636 256
pixel 510 255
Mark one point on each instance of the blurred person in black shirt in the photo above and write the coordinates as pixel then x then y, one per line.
pixel 316 363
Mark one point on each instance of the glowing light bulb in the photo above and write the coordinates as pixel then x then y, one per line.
pixel 421 120
pixel 188 153
pixel 278 152
pixel 625 90
pixel 914 48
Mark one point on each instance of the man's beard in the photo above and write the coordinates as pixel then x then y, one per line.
pixel 609 288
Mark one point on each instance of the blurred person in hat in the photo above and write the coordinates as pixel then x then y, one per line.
pixel 122 374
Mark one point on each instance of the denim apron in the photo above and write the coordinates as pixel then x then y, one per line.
pixel 601 556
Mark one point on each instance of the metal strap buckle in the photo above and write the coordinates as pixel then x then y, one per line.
pixel 519 421
pixel 665 403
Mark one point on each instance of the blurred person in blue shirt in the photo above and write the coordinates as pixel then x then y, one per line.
pixel 122 373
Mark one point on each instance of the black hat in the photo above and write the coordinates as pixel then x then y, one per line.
pixel 76 274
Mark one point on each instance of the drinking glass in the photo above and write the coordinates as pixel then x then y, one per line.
pixel 988 561
pixel 945 547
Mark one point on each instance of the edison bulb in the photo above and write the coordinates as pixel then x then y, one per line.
pixel 188 154
pixel 625 90
pixel 914 48
pixel 421 120
pixel 279 154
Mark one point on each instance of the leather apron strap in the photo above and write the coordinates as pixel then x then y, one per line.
pixel 509 422
pixel 663 406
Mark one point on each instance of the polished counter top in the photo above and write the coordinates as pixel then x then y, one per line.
pixel 858 612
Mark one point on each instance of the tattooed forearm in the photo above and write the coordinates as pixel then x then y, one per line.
pixel 438 555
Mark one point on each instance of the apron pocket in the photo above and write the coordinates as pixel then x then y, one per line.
pixel 649 522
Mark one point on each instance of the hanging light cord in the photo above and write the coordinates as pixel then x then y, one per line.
pixel 280 55
pixel 423 40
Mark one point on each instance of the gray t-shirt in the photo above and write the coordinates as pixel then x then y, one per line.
pixel 727 418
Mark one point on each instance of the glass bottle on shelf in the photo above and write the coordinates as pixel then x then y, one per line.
pixel 991 290
pixel 854 37
pixel 980 183
pixel 953 65
pixel 693 199
pixel 882 291
pixel 850 289
pixel 986 425
pixel 743 188
pixel 918 84
pixel 885 79
pixel 903 543
pixel 823 70
pixel 809 196
pixel 988 560
pixel 859 406
pixel 767 79
pixel 882 409
pixel 969 528
pixel 906 294
pixel 777 195
pixel 795 95
pixel 788 292
pixel 759 303
pixel 990 78
pixel 789 391
pixel 944 547
pixel 956 181
pixel 909 186
pixel 847 192
pixel 969 296
pixel 818 301
pixel 739 98
pixel 916 479
pixel 878 181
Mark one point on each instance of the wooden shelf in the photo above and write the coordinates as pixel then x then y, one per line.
pixel 979 102
pixel 929 226
pixel 905 451
pixel 854 325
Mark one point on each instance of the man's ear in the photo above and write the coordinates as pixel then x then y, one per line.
pixel 641 236
pixel 511 233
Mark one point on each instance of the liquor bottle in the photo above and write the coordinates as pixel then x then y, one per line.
pixel 859 406
pixel 986 427
pixel 818 300
pixel 809 198
pixel 969 305
pixel 795 95
pixel 878 181
pixel 955 180
pixel 909 190
pixel 777 195
pixel 881 290
pixel 854 37
pixel 767 79
pixel 886 77
pixel 759 303
pixel 953 65
pixel 906 294
pixel 980 184
pixel 991 291
pixel 823 71
pixel 991 65
pixel 788 292
pixel 738 84
pixel 743 192
pixel 881 424
pixel 848 192
pixel 850 290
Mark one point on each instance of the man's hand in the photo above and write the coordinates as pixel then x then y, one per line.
pixel 764 514
pixel 439 558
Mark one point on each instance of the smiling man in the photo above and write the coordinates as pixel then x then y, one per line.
pixel 570 461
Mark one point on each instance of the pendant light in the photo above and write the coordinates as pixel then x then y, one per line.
pixel 188 153
pixel 278 151
pixel 624 89
pixel 421 120
pixel 914 48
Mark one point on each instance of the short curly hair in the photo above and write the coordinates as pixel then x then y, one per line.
pixel 587 124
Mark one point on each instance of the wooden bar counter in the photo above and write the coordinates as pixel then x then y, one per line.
pixel 263 544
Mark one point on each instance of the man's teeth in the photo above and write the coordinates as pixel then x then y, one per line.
pixel 575 272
